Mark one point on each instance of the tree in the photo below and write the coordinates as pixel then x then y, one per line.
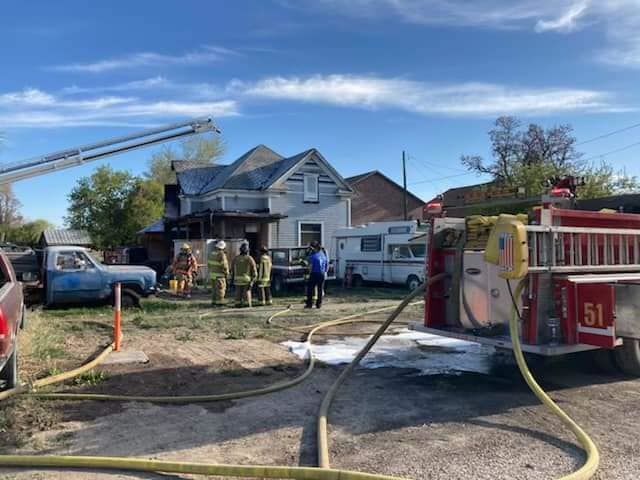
pixel 527 158
pixel 113 205
pixel 28 233
pixel 202 149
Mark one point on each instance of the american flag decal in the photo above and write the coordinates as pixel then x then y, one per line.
pixel 505 248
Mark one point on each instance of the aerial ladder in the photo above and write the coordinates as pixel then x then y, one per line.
pixel 73 157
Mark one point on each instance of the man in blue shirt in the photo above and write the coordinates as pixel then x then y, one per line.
pixel 318 264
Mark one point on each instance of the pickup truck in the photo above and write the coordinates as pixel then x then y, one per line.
pixel 12 313
pixel 69 275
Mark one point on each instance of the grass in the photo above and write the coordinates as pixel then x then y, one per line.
pixel 91 378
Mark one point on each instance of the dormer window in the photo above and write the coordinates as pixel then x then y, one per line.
pixel 311 188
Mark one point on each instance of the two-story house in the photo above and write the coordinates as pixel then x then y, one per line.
pixel 264 197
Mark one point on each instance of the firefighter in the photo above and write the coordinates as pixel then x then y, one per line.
pixel 264 276
pixel 184 266
pixel 319 265
pixel 304 263
pixel 244 274
pixel 218 272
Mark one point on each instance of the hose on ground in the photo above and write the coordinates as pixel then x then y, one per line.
pixel 306 473
pixel 322 436
pixel 590 466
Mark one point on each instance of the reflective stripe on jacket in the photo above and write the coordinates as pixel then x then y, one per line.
pixel 218 264
pixel 244 270
pixel 264 271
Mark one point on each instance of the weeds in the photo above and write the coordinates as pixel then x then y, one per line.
pixel 90 378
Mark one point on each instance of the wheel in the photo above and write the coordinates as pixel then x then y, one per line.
pixel 357 281
pixel 628 357
pixel 413 282
pixel 9 374
pixel 129 299
pixel 278 284
pixel 604 361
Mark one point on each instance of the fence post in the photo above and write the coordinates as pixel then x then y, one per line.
pixel 117 328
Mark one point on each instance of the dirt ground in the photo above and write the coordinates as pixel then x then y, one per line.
pixel 452 424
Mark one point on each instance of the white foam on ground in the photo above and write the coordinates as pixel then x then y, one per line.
pixel 427 353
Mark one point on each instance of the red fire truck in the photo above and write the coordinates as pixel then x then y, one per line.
pixel 582 290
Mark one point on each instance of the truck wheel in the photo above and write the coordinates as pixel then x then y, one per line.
pixel 628 356
pixel 129 299
pixel 23 318
pixel 356 281
pixel 9 374
pixel 278 284
pixel 413 282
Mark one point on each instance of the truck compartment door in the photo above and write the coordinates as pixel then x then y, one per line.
pixel 595 314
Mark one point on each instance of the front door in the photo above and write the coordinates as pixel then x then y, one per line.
pixel 74 279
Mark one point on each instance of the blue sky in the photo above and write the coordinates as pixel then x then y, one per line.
pixel 360 80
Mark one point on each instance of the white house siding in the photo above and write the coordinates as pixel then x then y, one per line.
pixel 331 210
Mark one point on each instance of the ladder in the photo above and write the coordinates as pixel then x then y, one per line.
pixel 94 151
pixel 582 249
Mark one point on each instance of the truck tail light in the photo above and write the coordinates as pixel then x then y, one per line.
pixel 4 326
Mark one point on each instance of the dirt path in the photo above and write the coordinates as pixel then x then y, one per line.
pixel 386 420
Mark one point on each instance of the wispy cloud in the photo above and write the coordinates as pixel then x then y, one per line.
pixel 34 108
pixel 205 55
pixel 617 20
pixel 460 99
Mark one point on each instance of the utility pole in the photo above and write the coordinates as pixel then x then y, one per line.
pixel 404 187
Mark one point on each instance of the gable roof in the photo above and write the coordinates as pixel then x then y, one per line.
pixel 354 180
pixel 258 169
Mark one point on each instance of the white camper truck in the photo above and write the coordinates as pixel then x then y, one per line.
pixel 389 252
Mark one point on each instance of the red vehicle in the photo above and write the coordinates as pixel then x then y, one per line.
pixel 12 314
pixel 582 290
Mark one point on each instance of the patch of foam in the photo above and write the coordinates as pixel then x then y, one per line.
pixel 427 353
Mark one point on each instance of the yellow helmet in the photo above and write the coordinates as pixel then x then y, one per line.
pixel 186 247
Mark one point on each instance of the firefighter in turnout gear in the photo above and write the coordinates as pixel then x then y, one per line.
pixel 184 267
pixel 218 272
pixel 304 263
pixel 244 275
pixel 264 276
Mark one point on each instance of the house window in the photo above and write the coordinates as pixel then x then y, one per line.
pixel 309 232
pixel 372 243
pixel 311 190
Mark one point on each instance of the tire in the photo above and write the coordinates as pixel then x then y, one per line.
pixel 129 299
pixel 357 281
pixel 628 357
pixel 23 318
pixel 9 374
pixel 413 282
pixel 278 285
pixel 604 361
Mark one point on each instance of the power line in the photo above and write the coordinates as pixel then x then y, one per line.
pixel 611 152
pixel 443 178
pixel 609 134
pixel 434 165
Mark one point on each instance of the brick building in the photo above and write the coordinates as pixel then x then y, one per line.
pixel 378 198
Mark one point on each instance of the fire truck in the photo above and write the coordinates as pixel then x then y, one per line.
pixel 581 272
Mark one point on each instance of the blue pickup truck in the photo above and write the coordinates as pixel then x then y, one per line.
pixel 69 275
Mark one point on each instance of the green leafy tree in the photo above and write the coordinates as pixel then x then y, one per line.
pixel 113 205
pixel 526 158
pixel 28 233
pixel 200 149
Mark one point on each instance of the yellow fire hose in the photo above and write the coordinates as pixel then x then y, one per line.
pixel 302 473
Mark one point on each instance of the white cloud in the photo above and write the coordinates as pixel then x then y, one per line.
pixel 461 99
pixel 34 108
pixel 205 55
pixel 617 20
pixel 566 22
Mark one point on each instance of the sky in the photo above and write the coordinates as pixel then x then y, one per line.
pixel 360 80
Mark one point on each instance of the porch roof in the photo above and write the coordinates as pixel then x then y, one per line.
pixel 257 216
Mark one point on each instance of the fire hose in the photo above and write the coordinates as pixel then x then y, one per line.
pixel 301 473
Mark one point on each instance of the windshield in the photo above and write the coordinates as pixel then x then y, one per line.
pixel 298 253
pixel 418 250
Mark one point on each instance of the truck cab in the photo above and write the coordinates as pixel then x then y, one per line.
pixel 288 267
pixel 73 276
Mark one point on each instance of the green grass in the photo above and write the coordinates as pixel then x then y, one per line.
pixel 90 378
